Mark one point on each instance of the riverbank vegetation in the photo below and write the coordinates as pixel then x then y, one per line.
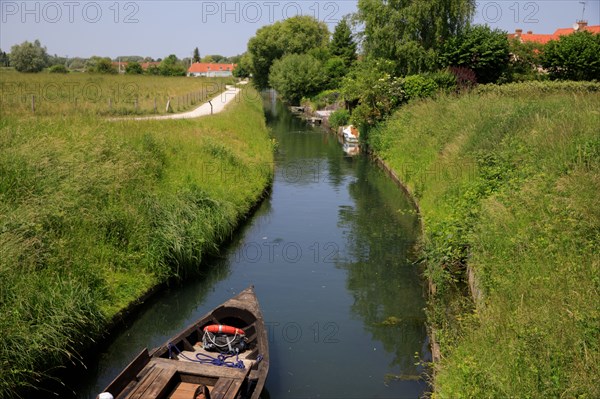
pixel 507 179
pixel 94 214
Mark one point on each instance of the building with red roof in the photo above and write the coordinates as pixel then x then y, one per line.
pixel 211 69
pixel 545 38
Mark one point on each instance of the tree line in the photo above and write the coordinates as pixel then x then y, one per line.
pixel 31 57
pixel 390 52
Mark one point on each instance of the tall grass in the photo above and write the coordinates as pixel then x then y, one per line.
pixel 93 214
pixel 508 182
pixel 82 93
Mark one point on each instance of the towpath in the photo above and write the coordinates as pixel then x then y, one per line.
pixel 218 104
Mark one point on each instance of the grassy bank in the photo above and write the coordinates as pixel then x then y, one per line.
pixel 508 182
pixel 95 213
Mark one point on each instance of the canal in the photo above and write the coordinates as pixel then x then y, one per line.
pixel 330 255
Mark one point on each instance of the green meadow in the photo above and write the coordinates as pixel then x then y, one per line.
pixel 46 94
pixel 507 179
pixel 94 214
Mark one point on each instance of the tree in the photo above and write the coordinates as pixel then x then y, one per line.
pixel 409 32
pixel 171 66
pixel 134 68
pixel 296 35
pixel 372 91
pixel 525 58
pixel 100 65
pixel 244 66
pixel 342 44
pixel 29 57
pixel 574 57
pixel 196 56
pixel 4 59
pixel 295 76
pixel 479 48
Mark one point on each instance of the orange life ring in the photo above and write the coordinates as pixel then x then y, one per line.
pixel 220 328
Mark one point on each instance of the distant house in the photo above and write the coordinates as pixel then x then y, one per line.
pixel 545 38
pixel 211 70
pixel 146 65
pixel 119 66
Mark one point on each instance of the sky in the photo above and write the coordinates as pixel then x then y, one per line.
pixel 157 28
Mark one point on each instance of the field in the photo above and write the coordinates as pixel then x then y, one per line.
pixel 93 214
pixel 82 93
pixel 508 183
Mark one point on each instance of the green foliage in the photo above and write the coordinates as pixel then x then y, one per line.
pixel 419 86
pixel 4 59
pixel 342 43
pixel 171 66
pixel 295 76
pixel 58 69
pixel 196 55
pixel 134 68
pixel 479 48
pixel 373 90
pixel 525 60
pixel 100 65
pixel 506 179
pixel 573 57
pixel 335 69
pixel 244 66
pixel 340 117
pixel 445 80
pixel 29 57
pixel 409 32
pixel 296 35
pixel 325 98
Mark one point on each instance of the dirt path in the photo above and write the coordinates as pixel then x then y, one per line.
pixel 218 104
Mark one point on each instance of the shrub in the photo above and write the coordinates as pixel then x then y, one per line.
pixel 483 50
pixel 419 86
pixel 445 80
pixel 339 118
pixel 58 69
pixel 573 57
pixel 465 77
pixel 134 68
pixel 325 98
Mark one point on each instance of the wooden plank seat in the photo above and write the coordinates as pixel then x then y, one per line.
pixel 155 384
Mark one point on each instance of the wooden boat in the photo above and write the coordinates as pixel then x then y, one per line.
pixel 178 367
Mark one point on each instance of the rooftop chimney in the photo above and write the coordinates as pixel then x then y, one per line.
pixel 530 32
pixel 518 32
pixel 581 24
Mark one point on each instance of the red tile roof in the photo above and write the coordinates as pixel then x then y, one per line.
pixel 204 67
pixel 146 65
pixel 545 38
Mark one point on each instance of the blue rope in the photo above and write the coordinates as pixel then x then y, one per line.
pixel 220 360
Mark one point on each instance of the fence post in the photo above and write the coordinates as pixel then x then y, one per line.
pixel 109 104
pixel 155 110
pixel 33 103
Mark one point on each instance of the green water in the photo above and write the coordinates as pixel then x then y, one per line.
pixel 329 254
